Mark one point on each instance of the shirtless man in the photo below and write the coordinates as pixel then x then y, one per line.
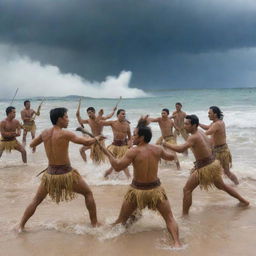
pixel 122 139
pixel 178 117
pixel 207 170
pixel 10 129
pixel 96 129
pixel 166 125
pixel 146 189
pixel 28 116
pixel 60 180
pixel 217 131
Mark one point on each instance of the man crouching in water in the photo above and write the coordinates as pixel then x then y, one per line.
pixel 146 189
pixel 60 180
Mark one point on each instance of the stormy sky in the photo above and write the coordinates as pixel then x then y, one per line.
pixel 130 46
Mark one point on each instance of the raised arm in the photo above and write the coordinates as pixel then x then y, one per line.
pixel 109 115
pixel 79 119
pixel 120 164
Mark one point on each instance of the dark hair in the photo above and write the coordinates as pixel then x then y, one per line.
pixel 146 132
pixel 90 109
pixel 25 102
pixel 217 111
pixel 119 111
pixel 166 110
pixel 178 103
pixel 56 113
pixel 9 110
pixel 193 119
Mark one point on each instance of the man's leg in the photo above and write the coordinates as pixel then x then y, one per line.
pixel 1 152
pixel 82 152
pixel 30 210
pixel 108 172
pixel 82 188
pixel 33 133
pixel 191 184
pixel 126 211
pixel 24 137
pixel 23 152
pixel 231 175
pixel 165 210
pixel 222 186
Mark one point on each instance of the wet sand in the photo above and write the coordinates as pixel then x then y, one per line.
pixel 216 225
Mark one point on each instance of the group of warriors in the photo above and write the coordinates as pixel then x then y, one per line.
pixel 61 181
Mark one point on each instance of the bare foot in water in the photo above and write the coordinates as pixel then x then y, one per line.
pixel 177 245
pixel 97 224
pixel 19 229
pixel 244 203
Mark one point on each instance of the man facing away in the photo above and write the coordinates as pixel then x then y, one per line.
pixel 166 125
pixel 146 189
pixel 96 128
pixel 60 180
pixel 28 118
pixel 207 169
pixel 122 139
pixel 217 131
pixel 10 129
pixel 178 117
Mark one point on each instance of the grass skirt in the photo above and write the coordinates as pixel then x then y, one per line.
pixel 146 198
pixel 60 187
pixel 9 145
pixel 224 156
pixel 97 154
pixel 117 151
pixel 208 174
pixel 29 127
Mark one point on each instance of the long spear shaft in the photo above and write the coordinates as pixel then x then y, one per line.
pixel 14 96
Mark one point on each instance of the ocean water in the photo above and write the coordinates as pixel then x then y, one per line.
pixel 214 221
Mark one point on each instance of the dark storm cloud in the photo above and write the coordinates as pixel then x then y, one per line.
pixel 148 37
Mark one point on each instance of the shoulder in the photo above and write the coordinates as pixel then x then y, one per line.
pixel 16 122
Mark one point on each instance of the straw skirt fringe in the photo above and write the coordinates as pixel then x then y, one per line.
pixel 224 156
pixel 208 174
pixel 8 145
pixel 146 198
pixel 60 187
pixel 117 151
pixel 97 154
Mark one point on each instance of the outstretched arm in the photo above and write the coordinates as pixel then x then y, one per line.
pixel 204 126
pixel 83 141
pixel 212 129
pixel 152 120
pixel 35 142
pixel 167 155
pixel 120 164
pixel 106 123
pixel 179 148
